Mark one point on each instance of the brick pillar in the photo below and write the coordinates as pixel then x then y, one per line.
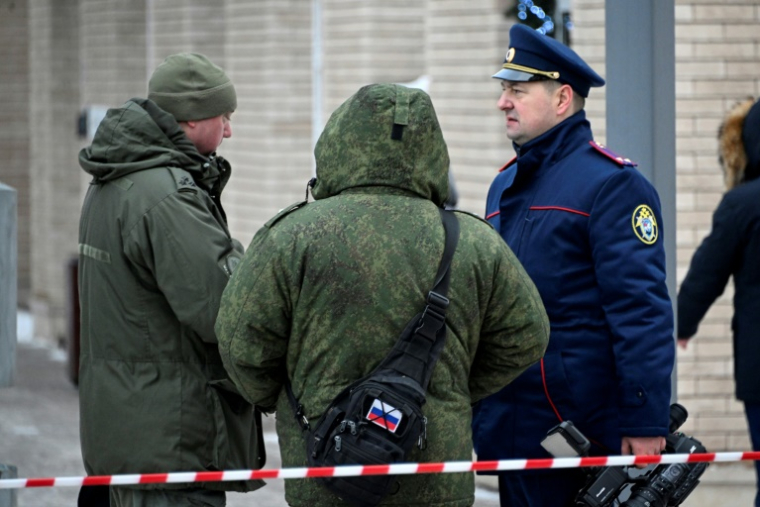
pixel 14 126
pixel 53 145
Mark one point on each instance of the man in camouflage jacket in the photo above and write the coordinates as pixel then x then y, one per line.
pixel 327 287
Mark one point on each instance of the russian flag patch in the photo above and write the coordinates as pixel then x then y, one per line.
pixel 384 415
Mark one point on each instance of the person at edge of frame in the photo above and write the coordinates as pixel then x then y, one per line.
pixel 586 225
pixel 326 288
pixel 732 249
pixel 155 256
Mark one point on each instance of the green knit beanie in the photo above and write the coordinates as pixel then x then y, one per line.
pixel 190 87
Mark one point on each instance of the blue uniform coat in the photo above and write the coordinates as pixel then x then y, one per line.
pixel 585 225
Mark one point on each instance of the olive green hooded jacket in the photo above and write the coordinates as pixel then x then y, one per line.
pixel 326 288
pixel 155 255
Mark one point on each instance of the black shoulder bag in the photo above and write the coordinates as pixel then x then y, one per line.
pixel 378 419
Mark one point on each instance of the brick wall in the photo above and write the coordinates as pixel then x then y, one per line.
pixel 466 44
pixel 174 26
pixel 717 64
pixel 588 40
pixel 14 127
pixel 369 42
pixel 268 49
pixel 113 51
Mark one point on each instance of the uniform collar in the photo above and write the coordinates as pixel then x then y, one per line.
pixel 554 144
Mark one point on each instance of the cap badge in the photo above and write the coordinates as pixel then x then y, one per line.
pixel 510 55
pixel 644 224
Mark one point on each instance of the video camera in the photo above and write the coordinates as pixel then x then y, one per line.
pixel 661 486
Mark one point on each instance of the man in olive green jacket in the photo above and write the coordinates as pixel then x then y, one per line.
pixel 155 255
pixel 326 288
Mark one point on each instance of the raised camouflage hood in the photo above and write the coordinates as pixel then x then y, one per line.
pixel 139 135
pixel 385 135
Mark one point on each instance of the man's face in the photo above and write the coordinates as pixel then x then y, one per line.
pixel 529 108
pixel 208 134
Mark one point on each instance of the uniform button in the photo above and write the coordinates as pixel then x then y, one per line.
pixel 640 394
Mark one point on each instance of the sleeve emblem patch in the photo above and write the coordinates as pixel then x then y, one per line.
pixel 645 224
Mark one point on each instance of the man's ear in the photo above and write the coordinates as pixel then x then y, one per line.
pixel 190 123
pixel 564 98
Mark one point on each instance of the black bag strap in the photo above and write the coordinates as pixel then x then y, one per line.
pixel 451 229
pixel 417 350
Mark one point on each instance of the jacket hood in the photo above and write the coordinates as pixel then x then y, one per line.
pixel 739 143
pixel 385 135
pixel 139 135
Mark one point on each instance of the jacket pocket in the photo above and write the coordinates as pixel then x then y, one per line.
pixel 556 386
pixel 238 436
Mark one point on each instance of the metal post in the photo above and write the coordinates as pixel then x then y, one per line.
pixel 640 58
pixel 8 497
pixel 7 285
pixel 8 312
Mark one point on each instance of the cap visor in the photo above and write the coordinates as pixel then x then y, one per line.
pixel 512 75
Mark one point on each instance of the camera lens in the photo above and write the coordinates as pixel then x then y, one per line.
pixel 659 488
pixel 643 498
pixel 678 415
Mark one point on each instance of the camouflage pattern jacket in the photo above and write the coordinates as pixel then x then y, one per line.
pixel 326 288
pixel 155 255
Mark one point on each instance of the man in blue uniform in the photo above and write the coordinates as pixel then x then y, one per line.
pixel 586 225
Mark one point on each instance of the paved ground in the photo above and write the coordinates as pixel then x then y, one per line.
pixel 39 434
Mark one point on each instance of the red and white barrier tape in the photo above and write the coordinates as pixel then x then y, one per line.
pixel 395 469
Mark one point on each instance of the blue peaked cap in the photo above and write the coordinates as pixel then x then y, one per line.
pixel 533 55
